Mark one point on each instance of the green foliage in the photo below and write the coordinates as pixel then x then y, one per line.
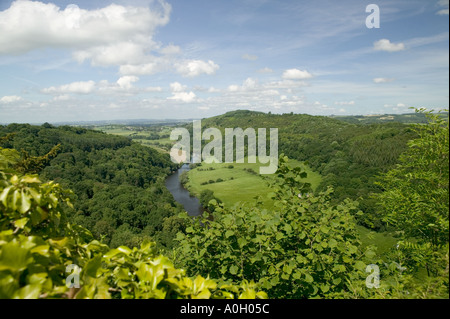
pixel 416 197
pixel 38 246
pixel 304 248
pixel 416 191
pixel 119 185
pixel 348 156
pixel 208 200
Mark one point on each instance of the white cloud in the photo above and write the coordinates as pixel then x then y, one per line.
pixel 233 88
pixel 249 83
pixel 295 74
pixel 94 34
pixel 345 103
pixel 250 57
pixel 10 99
pixel 126 81
pixel 75 87
pixel 123 86
pixel 179 93
pixel 386 45
pixel 113 54
pixel 183 97
pixel 177 87
pixel 115 35
pixel 213 90
pixel 265 70
pixel 382 80
pixel 63 97
pixel 445 4
pixel 191 68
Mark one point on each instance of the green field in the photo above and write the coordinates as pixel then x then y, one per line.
pixel 239 184
pixel 162 143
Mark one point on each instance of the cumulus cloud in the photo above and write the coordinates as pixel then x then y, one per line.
pixel 386 45
pixel 179 93
pixel 445 4
pixel 126 81
pixel 382 80
pixel 183 97
pixel 191 68
pixel 295 74
pixel 115 35
pixel 177 87
pixel 63 97
pixel 82 87
pixel 247 85
pixel 10 99
pixel 28 25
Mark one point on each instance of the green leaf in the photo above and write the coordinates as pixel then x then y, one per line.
pixel 332 243
pixel 324 288
pixel 92 267
pixel 28 292
pixel 20 223
pixel 241 242
pixel 26 203
pixel 308 278
pixel 233 270
pixel 337 281
pixel 41 250
pixel 14 257
pixel 30 179
pixel 229 233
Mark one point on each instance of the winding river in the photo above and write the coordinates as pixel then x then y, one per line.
pixel 181 195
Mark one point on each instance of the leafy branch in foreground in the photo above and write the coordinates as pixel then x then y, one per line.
pixel 304 248
pixel 416 196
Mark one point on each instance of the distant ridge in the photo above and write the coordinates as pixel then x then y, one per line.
pixel 407 118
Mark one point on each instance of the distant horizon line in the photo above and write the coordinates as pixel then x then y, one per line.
pixel 173 120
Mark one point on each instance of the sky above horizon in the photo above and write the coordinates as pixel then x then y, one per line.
pixel 68 60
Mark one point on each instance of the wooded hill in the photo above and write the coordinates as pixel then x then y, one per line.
pixel 118 184
pixel 348 156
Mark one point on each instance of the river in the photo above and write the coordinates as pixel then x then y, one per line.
pixel 190 203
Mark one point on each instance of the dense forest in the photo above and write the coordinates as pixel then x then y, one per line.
pixel 348 156
pixel 118 185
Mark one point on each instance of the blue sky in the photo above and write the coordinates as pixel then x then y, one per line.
pixel 65 60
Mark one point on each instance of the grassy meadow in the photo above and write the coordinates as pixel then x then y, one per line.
pixel 239 182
